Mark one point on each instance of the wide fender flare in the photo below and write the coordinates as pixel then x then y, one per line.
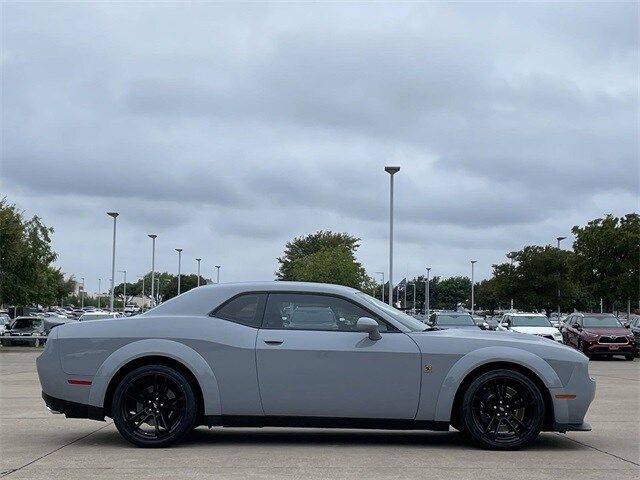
pixel 177 351
pixel 483 356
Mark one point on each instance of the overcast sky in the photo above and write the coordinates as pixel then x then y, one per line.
pixel 229 129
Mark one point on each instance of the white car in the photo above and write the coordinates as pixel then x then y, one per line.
pixel 531 323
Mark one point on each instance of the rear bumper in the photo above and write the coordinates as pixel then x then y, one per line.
pixel 72 409
pixel 572 427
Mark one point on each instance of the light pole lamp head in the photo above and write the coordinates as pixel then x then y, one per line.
pixel 392 170
pixel 198 259
pixel 560 238
pixel 178 250
pixel 152 236
pixel 113 214
pixel 217 266
pixel 474 261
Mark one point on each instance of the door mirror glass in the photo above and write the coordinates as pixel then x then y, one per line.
pixel 370 326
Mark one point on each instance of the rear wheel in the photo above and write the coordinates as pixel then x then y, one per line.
pixel 629 357
pixel 502 410
pixel 154 406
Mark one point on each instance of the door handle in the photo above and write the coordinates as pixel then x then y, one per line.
pixel 274 342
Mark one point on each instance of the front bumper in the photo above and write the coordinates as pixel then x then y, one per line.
pixel 571 401
pixel 609 349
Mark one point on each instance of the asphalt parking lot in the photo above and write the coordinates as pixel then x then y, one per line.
pixel 38 445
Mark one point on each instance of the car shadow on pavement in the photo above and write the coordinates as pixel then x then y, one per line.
pixel 329 437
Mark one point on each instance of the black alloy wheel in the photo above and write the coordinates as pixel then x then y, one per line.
pixel 154 406
pixel 503 410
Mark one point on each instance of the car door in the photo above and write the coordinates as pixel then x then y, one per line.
pixel 312 362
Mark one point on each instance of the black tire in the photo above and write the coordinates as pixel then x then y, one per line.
pixel 492 421
pixel 154 406
pixel 5 343
pixel 629 357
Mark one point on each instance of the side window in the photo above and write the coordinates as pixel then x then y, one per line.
pixel 244 309
pixel 298 311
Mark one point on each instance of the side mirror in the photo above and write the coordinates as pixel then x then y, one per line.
pixel 578 327
pixel 370 326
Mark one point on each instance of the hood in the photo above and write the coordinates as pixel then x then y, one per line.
pixel 536 330
pixel 618 331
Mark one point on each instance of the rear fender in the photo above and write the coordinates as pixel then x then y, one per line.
pixel 158 347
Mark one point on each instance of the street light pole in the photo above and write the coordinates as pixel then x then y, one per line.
pixel 473 299
pixel 124 291
pixel 82 295
pixel 559 239
pixel 428 294
pixel 391 171
pixel 179 250
pixel 198 260
pixel 142 276
pixel 153 265
pixel 217 273
pixel 382 289
pixel 99 290
pixel 114 215
pixel 414 297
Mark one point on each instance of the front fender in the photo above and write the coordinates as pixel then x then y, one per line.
pixel 158 347
pixel 483 356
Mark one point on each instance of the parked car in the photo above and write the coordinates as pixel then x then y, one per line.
pixel 131 309
pixel 5 320
pixel 224 354
pixel 445 319
pixel 599 334
pixel 634 325
pixel 24 331
pixel 531 323
pixel 97 315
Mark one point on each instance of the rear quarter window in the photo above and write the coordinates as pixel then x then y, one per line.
pixel 245 309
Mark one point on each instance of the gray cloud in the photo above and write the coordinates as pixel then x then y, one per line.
pixel 235 127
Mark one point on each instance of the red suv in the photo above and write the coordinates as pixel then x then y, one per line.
pixel 598 334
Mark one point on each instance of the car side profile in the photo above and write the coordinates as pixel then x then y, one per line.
pixel 308 355
pixel 599 334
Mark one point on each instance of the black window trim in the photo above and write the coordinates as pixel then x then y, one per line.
pixel 374 315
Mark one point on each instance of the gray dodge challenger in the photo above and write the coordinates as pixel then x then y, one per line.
pixel 308 355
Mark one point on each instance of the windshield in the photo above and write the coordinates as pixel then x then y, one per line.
pixel 454 319
pixel 600 322
pixel 34 323
pixel 406 320
pixel 530 321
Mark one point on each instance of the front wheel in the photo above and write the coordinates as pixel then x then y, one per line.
pixel 629 357
pixel 154 406
pixel 502 410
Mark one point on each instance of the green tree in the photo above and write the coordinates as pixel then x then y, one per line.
pixel 607 258
pixel 487 297
pixel 26 275
pixel 452 291
pixel 533 276
pixel 324 257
